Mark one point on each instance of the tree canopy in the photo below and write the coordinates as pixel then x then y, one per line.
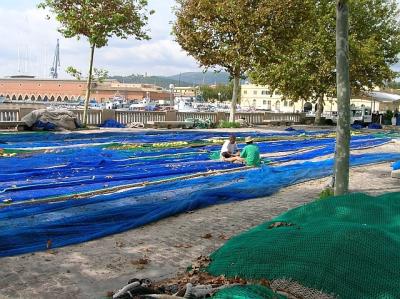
pixel 307 69
pixel 98 21
pixel 222 92
pixel 228 33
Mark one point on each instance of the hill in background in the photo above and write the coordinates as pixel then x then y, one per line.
pixel 200 78
pixel 184 79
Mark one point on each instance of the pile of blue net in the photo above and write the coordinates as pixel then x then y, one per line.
pixel 356 126
pixel 112 123
pixel 46 126
pixel 70 164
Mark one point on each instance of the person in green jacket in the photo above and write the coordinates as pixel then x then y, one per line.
pixel 250 153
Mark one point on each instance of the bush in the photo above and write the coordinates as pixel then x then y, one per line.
pixel 388 117
pixel 227 124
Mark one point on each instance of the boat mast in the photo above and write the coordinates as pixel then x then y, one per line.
pixel 56 62
pixel 19 61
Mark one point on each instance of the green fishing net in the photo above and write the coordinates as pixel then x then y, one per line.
pixel 346 247
pixel 247 292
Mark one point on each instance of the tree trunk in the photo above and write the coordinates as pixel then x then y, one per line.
pixel 88 87
pixel 235 95
pixel 343 97
pixel 320 108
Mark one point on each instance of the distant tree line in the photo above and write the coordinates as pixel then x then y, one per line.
pixel 157 80
pixel 220 92
pixel 394 85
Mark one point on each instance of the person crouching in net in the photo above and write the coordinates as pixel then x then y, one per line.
pixel 250 154
pixel 229 150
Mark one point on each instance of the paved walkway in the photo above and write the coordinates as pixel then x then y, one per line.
pixel 161 249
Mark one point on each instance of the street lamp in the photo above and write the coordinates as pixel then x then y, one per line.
pixel 219 97
pixel 171 97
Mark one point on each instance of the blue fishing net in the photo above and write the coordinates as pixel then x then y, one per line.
pixel 74 221
pixel 374 126
pixel 47 139
pixel 40 175
pixel 112 123
pixel 74 170
pixel 46 126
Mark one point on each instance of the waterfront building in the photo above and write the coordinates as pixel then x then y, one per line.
pixel 53 90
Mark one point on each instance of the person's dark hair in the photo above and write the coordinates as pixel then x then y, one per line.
pixel 226 155
pixel 250 142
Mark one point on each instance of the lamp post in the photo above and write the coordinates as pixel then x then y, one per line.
pixel 219 97
pixel 171 98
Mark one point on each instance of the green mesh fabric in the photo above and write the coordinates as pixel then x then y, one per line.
pixel 348 246
pixel 392 134
pixel 247 292
pixel 215 155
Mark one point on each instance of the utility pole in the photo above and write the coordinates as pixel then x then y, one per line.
pixel 342 153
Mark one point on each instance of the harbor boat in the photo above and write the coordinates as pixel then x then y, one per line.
pixel 146 104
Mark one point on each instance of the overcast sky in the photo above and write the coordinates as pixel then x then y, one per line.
pixel 24 30
pixel 29 40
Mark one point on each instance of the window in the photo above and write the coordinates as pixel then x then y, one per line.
pixel 278 93
pixel 244 91
pixel 255 92
pixel 285 103
pixel 291 104
pixel 264 102
pixel 269 105
pixel 277 105
pixel 265 92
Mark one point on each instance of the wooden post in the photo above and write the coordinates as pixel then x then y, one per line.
pixel 89 86
pixel 235 95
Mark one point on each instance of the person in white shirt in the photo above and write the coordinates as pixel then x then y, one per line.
pixel 229 149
